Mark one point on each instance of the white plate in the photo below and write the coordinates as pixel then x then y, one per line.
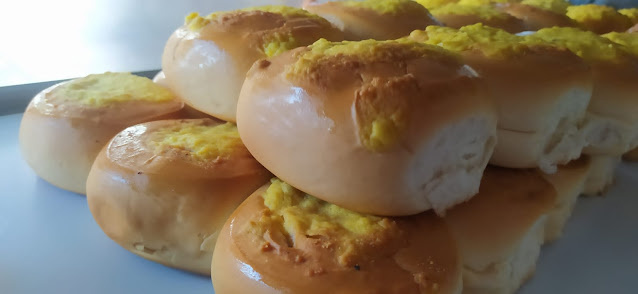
pixel 49 242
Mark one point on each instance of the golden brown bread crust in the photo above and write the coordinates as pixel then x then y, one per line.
pixel 536 18
pixel 306 128
pixel 207 67
pixel 423 260
pixel 60 140
pixel 361 24
pixel 165 207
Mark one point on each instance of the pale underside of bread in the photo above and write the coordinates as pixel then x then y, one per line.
pixel 601 174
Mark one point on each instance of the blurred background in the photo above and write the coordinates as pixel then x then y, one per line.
pixel 51 40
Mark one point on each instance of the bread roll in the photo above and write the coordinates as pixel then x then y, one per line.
pixel 541 93
pixel 569 183
pixel 65 126
pixel 374 19
pixel 281 240
pixel 599 19
pixel 380 127
pixel 205 61
pixel 500 231
pixel 601 174
pixel 538 14
pixel 163 189
pixel 611 126
pixel 457 15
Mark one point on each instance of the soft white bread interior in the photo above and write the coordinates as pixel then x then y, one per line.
pixel 500 231
pixel 611 126
pixel 601 174
pixel 381 127
pixel 374 19
pixel 541 93
pixel 281 240
pixel 569 182
pixel 163 189
pixel 65 126
pixel 205 61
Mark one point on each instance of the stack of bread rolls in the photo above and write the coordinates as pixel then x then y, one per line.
pixel 354 146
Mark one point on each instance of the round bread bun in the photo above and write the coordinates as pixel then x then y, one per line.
pixel 205 61
pixel 457 15
pixel 163 189
pixel 569 182
pixel 541 93
pixel 599 19
pixel 535 18
pixel 281 240
pixel 631 155
pixel 65 126
pixel 611 126
pixel 602 174
pixel 381 127
pixel 374 19
pixel 500 231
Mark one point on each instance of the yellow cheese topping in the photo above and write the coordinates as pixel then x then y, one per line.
pixel 486 12
pixel 631 13
pixel 367 51
pixel 298 214
pixel 481 2
pixel 108 88
pixel 432 4
pixel 629 40
pixel 200 142
pixel 273 43
pixel 492 42
pixel 558 6
pixel 381 6
pixel 195 22
pixel 585 44
pixel 593 12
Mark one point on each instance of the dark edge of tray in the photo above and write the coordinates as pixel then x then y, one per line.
pixel 14 99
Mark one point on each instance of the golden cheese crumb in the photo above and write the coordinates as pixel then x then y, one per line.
pixel 631 13
pixel 108 88
pixel 629 40
pixel 274 42
pixel 480 2
pixel 382 6
pixel 367 51
pixel 558 6
pixel 492 42
pixel 591 15
pixel 486 12
pixel 195 22
pixel 302 215
pixel 432 4
pixel 200 142
pixel 585 44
